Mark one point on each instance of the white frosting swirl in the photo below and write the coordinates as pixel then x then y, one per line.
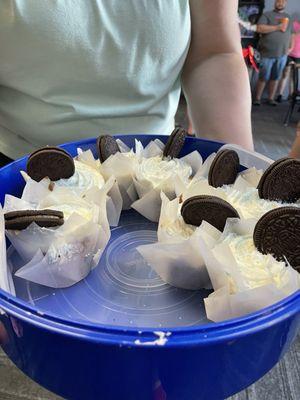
pixel 160 173
pixel 249 204
pixel 256 269
pixel 84 178
pixel 179 228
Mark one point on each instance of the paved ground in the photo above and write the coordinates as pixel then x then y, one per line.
pixel 283 382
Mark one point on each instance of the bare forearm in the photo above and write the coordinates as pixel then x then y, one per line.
pixel 267 28
pixel 292 43
pixel 219 99
pixel 295 150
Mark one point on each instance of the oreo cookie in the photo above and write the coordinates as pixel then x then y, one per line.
pixel 281 181
pixel 212 209
pixel 278 233
pixel 19 220
pixel 107 146
pixel 224 168
pixel 175 143
pixel 52 162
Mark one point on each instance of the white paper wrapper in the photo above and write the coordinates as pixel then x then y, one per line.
pixel 153 149
pixel 110 191
pixel 61 257
pixel 176 259
pixel 232 296
pixel 70 257
pixel 5 274
pixel 88 158
pixel 30 240
pixel 149 205
pixel 204 169
pixel 122 168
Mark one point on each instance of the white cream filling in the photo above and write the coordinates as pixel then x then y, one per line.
pixel 74 207
pixel 249 204
pixel 256 269
pixel 179 228
pixel 160 173
pixel 84 178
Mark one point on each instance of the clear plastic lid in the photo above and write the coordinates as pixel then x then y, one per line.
pixel 122 290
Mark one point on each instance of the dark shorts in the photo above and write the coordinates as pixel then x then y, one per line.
pixel 272 68
pixel 292 59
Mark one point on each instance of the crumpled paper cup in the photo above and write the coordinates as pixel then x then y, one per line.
pixel 5 273
pixel 75 250
pixel 122 168
pixel 224 303
pixel 176 259
pixel 87 157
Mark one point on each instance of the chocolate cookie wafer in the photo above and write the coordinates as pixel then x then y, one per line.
pixel 107 146
pixel 224 168
pixel 281 181
pixel 52 162
pixel 278 233
pixel 212 209
pixel 19 220
pixel 175 143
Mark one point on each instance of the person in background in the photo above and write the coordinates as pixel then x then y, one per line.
pixel 275 44
pixel 249 25
pixel 295 150
pixel 69 73
pixel 294 57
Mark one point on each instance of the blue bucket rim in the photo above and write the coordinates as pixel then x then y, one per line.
pixel 180 336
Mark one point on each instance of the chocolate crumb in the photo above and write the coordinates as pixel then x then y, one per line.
pixel 51 186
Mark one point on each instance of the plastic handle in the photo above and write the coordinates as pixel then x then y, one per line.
pixel 250 158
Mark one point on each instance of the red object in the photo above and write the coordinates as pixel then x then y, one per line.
pixel 248 54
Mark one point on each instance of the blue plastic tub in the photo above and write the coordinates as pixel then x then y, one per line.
pixel 97 339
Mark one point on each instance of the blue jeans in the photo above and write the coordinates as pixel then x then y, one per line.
pixel 271 68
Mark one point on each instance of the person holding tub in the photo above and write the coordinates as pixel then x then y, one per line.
pixel 71 72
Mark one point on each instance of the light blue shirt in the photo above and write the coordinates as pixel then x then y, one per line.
pixel 74 69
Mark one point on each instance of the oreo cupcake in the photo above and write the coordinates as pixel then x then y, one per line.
pixel 177 256
pixel 164 173
pixel 78 175
pixel 251 265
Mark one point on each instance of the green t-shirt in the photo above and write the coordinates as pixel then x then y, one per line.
pixel 70 69
pixel 275 44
